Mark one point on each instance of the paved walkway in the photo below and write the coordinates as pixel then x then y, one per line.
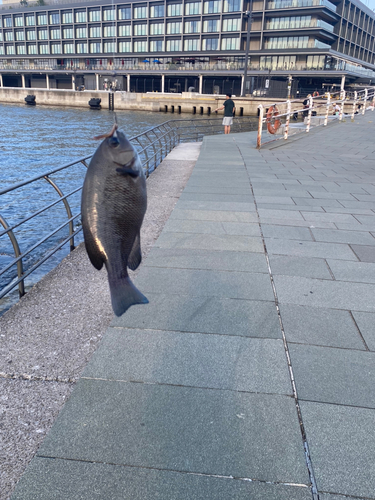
pixel 251 372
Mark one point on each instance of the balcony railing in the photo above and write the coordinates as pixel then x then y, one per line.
pixel 292 4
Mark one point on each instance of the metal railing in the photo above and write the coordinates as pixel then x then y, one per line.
pixel 288 118
pixel 153 146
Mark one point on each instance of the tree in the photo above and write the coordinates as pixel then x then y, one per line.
pixel 23 3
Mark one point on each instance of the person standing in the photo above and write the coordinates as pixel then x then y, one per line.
pixel 229 109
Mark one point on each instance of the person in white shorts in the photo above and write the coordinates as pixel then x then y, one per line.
pixel 229 109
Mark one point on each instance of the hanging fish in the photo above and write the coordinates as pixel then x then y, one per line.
pixel 114 202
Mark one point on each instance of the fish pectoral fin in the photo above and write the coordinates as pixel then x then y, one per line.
pixel 135 257
pixel 127 171
pixel 92 249
pixel 124 294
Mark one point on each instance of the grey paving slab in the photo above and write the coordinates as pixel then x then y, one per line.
pixel 293 233
pixel 192 359
pixel 231 206
pixel 298 223
pixel 313 202
pixel 217 190
pixel 212 227
pixel 224 284
pixel 279 214
pixel 365 253
pixel 310 249
pixel 329 496
pixel 281 200
pixel 214 242
pixel 213 215
pixel 45 479
pixel 248 318
pixel 331 375
pixel 228 198
pixel 247 262
pixel 289 208
pixel 328 217
pixel 179 428
pixel 322 293
pixel 359 272
pixel 299 266
pixel 319 326
pixel 341 443
pixel 336 236
pixel 366 322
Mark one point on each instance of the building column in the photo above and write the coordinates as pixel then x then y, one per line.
pixel 242 84
pixel 162 83
pixel 96 81
pixel 23 81
pixel 73 82
pixel 201 84
pixel 128 83
pixel 47 81
pixel 1 80
pixel 342 82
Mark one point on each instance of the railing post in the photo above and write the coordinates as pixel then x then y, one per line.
pixel 354 104
pixel 260 126
pixel 17 252
pixel 373 101
pixel 308 122
pixel 342 100
pixel 286 129
pixel 364 103
pixel 328 104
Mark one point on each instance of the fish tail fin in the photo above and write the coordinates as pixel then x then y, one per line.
pixel 124 294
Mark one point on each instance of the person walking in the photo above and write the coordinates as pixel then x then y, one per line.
pixel 229 109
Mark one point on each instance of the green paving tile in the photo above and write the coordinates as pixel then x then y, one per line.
pixel 183 429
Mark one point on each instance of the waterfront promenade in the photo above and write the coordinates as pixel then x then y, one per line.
pixel 251 372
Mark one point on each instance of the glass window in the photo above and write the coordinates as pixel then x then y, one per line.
pixel 210 26
pixel 10 50
pixel 55 48
pixel 140 46
pixel 94 16
pixel 109 47
pixel 18 21
pixel 232 5
pixel 30 35
pixel 124 30
pixel 140 29
pixel 31 49
pixel 21 49
pixel 140 12
pixel 124 47
pixel 67 17
pixel 95 32
pixel 157 29
pixel 43 48
pixel 212 7
pixel 230 44
pixel 81 33
pixel 156 46
pixel 173 45
pixel 193 8
pixel 174 9
pixel 191 44
pixel 67 33
pixel 174 28
pixel 231 24
pixel 8 36
pixel 1 50
pixel 42 20
pixel 192 27
pixel 20 35
pixel 55 33
pixel 109 14
pixel 42 34
pixel 7 22
pixel 68 48
pixel 95 47
pixel 54 18
pixel 124 13
pixel 30 20
pixel 1 36
pixel 157 11
pixel 81 16
pixel 109 31
pixel 210 43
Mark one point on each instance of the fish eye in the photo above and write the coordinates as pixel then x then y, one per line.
pixel 114 142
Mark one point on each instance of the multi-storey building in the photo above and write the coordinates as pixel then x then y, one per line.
pixel 177 45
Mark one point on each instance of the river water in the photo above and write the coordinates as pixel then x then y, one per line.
pixel 35 140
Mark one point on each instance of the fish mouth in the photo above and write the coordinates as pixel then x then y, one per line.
pixel 127 168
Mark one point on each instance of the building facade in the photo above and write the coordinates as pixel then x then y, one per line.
pixel 295 46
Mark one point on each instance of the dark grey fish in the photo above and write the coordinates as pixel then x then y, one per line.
pixel 114 202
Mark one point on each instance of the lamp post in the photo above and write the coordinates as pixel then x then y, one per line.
pixel 249 15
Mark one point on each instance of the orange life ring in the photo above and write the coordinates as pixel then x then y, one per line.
pixel 316 94
pixel 273 124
